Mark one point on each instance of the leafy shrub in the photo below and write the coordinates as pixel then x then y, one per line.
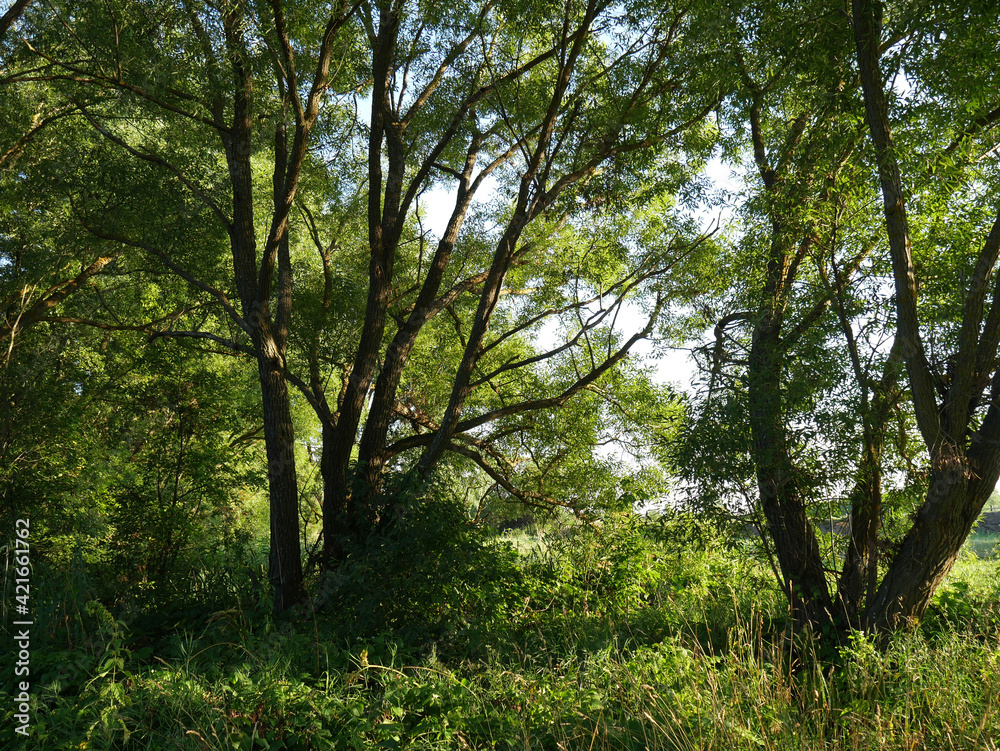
pixel 428 576
pixel 605 567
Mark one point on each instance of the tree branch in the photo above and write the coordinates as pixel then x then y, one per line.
pixel 181 272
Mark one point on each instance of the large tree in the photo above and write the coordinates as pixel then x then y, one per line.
pixel 955 395
pixel 536 134
pixel 125 68
pixel 813 357
pixel 559 118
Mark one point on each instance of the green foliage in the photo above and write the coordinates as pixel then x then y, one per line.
pixel 702 664
pixel 139 463
pixel 132 465
pixel 427 575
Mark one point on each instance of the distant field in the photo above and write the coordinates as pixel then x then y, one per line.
pixel 526 542
pixel 985 537
pixel 983 544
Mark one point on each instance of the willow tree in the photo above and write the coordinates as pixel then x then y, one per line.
pixel 203 98
pixel 952 191
pixel 560 115
pixel 266 131
pixel 828 377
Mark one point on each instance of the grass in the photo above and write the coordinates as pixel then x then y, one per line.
pixel 982 544
pixel 527 542
pixel 610 640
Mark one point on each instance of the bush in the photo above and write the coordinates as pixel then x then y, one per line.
pixel 430 576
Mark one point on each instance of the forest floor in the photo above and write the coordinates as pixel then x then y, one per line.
pixel 621 638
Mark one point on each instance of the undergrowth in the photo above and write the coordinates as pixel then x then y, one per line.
pixel 620 637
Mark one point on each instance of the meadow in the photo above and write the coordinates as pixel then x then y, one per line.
pixel 641 634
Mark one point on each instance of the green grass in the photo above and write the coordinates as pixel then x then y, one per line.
pixel 982 544
pixel 610 640
pixel 527 541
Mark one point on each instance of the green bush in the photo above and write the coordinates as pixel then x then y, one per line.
pixel 430 576
pixel 434 635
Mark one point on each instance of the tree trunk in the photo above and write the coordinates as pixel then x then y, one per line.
pixel 961 479
pixel 338 525
pixel 372 448
pixel 859 575
pixel 341 505
pixel 794 539
pixel 860 571
pixel 285 562
pixel 959 489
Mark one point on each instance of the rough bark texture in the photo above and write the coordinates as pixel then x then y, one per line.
pixel 15 11
pixel 285 561
pixel 860 571
pixel 964 462
pixel 342 515
pixel 372 450
pixel 285 564
pixel 794 539
pixel 859 575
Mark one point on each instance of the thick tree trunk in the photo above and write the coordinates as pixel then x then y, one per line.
pixel 960 487
pixel 285 562
pixel 961 479
pixel 859 575
pixel 338 524
pixel 342 512
pixel 372 448
pixel 794 538
pixel 867 34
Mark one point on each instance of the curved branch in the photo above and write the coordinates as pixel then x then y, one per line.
pixel 531 405
pixel 181 272
pixel 161 162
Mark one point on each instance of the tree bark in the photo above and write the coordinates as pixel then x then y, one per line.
pixel 285 563
pixel 965 463
pixel 341 515
pixel 794 539
pixel 13 13
pixel 531 201
pixel 859 575
pixel 285 560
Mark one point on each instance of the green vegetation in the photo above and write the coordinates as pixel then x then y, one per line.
pixel 329 397
pixel 982 544
pixel 625 637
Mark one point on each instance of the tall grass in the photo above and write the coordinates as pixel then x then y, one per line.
pixel 617 642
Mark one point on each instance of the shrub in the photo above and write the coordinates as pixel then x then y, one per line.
pixel 430 576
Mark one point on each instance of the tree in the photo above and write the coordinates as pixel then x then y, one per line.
pixel 544 114
pixel 14 12
pixel 30 290
pixel 134 460
pixel 129 62
pixel 811 301
pixel 566 149
pixel 565 120
pixel 956 402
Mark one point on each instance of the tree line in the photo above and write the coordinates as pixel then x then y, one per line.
pixel 251 181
